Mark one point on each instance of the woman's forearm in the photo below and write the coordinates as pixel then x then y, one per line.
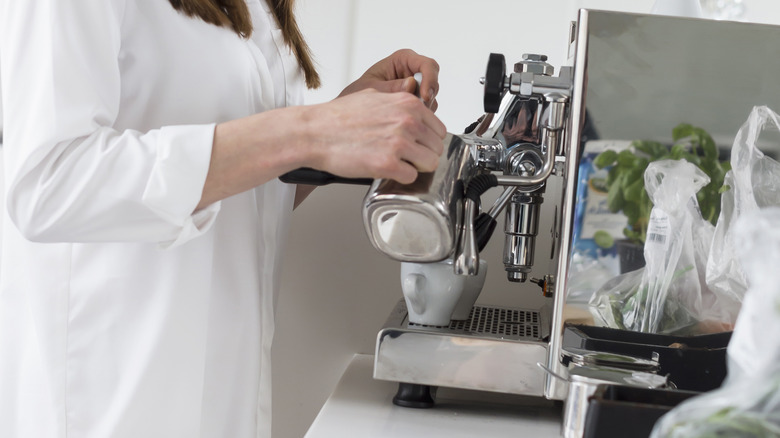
pixel 367 134
pixel 253 150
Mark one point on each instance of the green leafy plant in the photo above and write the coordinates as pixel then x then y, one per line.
pixel 625 182
pixel 627 309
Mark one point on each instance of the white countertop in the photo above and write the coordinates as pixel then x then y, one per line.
pixel 362 407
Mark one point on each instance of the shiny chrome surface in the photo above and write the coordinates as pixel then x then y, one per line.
pixel 522 147
pixel 622 92
pixel 521 226
pixel 550 138
pixel 467 256
pixel 721 70
pixel 522 122
pixel 497 353
pixel 583 381
pixel 531 127
pixel 417 222
pixel 489 155
pixel 534 63
pixel 501 201
pixel 582 357
pixel 421 222
pixel 618 88
pixel 554 388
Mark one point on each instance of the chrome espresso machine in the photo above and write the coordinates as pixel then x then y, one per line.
pixel 631 77
pixel 519 146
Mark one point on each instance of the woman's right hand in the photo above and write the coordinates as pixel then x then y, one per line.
pixel 366 134
pixel 370 134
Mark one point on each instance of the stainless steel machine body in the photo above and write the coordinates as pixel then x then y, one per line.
pixel 632 77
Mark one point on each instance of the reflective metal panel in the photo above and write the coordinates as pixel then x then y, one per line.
pixel 639 76
pixel 646 74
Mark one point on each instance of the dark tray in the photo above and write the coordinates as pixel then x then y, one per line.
pixel 620 411
pixel 693 363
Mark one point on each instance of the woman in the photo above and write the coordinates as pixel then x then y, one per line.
pixel 143 141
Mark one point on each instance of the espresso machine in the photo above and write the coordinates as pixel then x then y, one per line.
pixel 630 76
pixel 519 145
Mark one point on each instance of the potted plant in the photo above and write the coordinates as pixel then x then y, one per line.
pixel 625 180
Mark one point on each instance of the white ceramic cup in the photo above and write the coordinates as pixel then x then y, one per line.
pixel 470 293
pixel 432 291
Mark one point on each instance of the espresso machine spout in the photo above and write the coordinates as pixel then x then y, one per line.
pixel 467 255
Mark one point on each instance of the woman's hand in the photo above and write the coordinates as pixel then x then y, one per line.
pixel 395 73
pixel 375 129
pixel 375 135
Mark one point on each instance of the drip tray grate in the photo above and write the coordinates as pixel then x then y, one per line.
pixel 499 322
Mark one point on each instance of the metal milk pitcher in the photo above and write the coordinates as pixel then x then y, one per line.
pixel 421 221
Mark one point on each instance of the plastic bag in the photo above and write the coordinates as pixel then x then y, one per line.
pixel 748 403
pixel 669 295
pixel 586 275
pixel 754 182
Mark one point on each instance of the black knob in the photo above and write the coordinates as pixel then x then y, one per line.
pixel 494 82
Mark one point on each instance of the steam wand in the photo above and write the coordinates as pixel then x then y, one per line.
pixel 467 254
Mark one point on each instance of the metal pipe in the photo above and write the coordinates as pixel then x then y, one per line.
pixel 550 139
pixel 502 200
pixel 467 258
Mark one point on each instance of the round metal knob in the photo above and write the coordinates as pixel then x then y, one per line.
pixel 494 82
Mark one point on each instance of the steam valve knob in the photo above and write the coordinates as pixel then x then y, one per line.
pixel 494 82
pixel 547 283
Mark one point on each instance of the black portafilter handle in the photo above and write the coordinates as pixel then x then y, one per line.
pixel 313 177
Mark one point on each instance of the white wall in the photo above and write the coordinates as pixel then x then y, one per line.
pixel 336 289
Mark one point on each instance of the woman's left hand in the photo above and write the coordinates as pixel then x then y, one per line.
pixel 395 73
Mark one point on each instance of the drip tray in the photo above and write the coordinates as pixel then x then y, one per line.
pixel 497 349
pixel 500 322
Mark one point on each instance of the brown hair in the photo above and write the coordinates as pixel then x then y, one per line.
pixel 234 14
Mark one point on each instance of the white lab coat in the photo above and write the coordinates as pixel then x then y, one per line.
pixel 122 313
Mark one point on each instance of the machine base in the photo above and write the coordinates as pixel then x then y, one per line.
pixel 497 349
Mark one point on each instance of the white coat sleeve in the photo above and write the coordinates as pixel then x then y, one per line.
pixel 72 176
